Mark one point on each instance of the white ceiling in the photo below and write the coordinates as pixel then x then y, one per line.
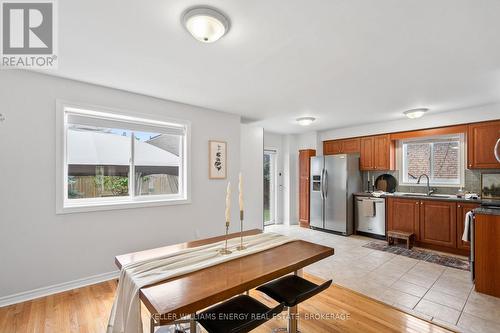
pixel 345 62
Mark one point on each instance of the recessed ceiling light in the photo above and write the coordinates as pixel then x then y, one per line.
pixel 415 113
pixel 305 121
pixel 205 24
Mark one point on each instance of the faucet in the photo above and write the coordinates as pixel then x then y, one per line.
pixel 429 190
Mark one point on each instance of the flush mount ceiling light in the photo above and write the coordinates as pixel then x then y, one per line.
pixel 305 121
pixel 205 24
pixel 415 113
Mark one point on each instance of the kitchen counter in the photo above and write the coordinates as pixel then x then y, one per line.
pixel 417 196
pixel 487 211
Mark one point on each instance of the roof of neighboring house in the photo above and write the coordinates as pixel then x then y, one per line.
pixel 100 148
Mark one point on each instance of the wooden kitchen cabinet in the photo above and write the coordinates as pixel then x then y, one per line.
pixel 462 209
pixel 403 215
pixel 377 153
pixel 486 249
pixel 304 189
pixel 332 147
pixel 438 223
pixel 366 153
pixel 345 146
pixel 481 140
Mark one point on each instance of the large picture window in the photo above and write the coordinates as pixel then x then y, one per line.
pixel 111 159
pixel 441 158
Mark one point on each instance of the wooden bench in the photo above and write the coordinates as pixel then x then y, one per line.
pixel 409 237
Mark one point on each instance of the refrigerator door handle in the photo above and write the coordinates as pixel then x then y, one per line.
pixel 321 185
pixel 325 187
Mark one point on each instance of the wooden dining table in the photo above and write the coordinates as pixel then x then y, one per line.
pixel 172 300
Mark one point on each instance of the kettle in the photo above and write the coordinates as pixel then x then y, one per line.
pixel 497 150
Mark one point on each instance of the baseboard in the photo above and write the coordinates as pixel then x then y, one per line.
pixel 57 288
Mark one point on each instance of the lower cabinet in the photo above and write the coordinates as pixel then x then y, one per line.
pixel 403 214
pixel 438 223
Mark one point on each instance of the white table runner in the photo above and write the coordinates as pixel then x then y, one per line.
pixel 126 312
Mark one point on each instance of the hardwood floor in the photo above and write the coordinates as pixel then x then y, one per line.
pixel 87 309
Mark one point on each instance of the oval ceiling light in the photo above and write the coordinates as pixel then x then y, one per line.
pixel 305 121
pixel 205 24
pixel 415 113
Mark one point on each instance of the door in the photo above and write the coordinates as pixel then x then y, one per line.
pixel 381 158
pixel 335 193
pixel 316 194
pixel 350 146
pixel 403 215
pixel 366 154
pixel 270 187
pixel 438 223
pixel 462 209
pixel 481 140
pixel 332 147
pixel 304 177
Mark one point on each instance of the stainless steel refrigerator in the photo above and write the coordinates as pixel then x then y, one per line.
pixel 334 179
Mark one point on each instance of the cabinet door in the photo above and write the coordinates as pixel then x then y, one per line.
pixel 304 172
pixel 403 215
pixel 350 146
pixel 438 223
pixel 462 209
pixel 366 153
pixel 481 140
pixel 383 153
pixel 332 147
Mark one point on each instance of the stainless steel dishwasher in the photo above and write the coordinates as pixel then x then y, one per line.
pixel 370 221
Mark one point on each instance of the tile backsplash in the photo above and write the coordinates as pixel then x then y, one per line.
pixel 472 182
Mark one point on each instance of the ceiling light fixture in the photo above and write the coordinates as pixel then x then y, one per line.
pixel 415 113
pixel 305 121
pixel 205 24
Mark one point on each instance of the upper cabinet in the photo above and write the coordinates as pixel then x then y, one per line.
pixel 481 140
pixel 377 153
pixel 346 146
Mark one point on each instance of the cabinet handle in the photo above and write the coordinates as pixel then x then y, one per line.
pixel 459 206
pixel 416 203
pixel 421 203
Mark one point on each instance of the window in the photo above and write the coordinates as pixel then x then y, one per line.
pixel 441 158
pixel 114 160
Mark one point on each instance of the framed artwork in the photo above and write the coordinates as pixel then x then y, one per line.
pixel 490 186
pixel 217 159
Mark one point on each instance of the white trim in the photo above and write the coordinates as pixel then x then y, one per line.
pixel 61 186
pixel 57 288
pixel 461 162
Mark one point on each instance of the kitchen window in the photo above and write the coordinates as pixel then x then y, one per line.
pixel 112 160
pixel 441 158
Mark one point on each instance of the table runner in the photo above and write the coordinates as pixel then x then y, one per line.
pixel 126 312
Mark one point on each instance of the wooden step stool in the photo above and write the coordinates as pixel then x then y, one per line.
pixel 409 237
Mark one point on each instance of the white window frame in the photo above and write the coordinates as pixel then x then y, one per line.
pixel 461 169
pixel 65 206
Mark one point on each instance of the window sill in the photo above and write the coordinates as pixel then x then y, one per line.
pixel 431 185
pixel 103 206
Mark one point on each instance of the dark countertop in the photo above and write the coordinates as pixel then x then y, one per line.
pixel 421 197
pixel 487 211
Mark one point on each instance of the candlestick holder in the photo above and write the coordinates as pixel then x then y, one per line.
pixel 225 251
pixel 241 247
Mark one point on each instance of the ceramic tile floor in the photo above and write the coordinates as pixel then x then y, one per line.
pixel 442 294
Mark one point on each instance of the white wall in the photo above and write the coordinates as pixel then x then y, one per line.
pixel 274 141
pixel 39 248
pixel 252 161
pixel 459 116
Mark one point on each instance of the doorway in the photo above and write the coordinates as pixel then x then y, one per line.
pixel 270 187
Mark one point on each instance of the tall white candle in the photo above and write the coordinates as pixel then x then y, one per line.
pixel 240 188
pixel 228 203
